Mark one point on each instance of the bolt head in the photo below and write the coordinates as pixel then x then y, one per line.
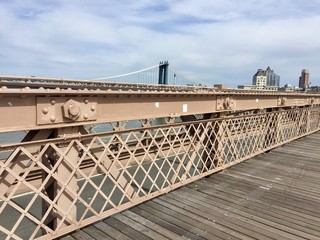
pixel 52 118
pixel 45 110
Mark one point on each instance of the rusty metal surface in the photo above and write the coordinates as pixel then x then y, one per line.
pixel 126 167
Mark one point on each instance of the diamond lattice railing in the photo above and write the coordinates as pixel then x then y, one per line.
pixel 51 187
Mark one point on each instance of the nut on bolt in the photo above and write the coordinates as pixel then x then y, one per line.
pixel 71 109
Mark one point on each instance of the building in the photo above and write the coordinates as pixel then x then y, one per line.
pixel 255 87
pixel 272 78
pixel 304 79
pixel 263 80
pixel 260 79
pixel 246 87
pixel 221 86
pixel 288 88
pixel 266 80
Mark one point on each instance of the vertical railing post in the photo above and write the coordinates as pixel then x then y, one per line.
pixel 66 159
pixel 219 140
pixel 308 121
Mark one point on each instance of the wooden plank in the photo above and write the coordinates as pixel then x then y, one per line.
pixel 261 221
pixel 95 233
pixel 277 188
pixel 139 227
pixel 164 231
pixel 112 232
pixel 187 220
pixel 205 223
pixel 255 203
pixel 284 221
pixel 198 233
pixel 280 182
pixel 216 215
pixel 225 225
pixel 164 223
pixel 299 202
pixel 80 235
pixel 238 221
pixel 125 229
pixel 231 192
pixel 69 237
pixel 275 171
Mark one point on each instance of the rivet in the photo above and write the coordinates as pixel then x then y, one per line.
pixel 93 108
pixel 45 110
pixel 86 101
pixel 53 119
pixel 85 116
pixel 53 102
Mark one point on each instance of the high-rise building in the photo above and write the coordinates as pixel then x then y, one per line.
pixel 264 79
pixel 260 79
pixel 272 78
pixel 304 79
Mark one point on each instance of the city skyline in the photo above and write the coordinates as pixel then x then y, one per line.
pixel 213 41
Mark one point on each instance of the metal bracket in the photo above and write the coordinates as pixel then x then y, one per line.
pixel 119 126
pixel 146 122
pixel 311 100
pixel 225 103
pixel 169 120
pixel 282 101
pixel 65 110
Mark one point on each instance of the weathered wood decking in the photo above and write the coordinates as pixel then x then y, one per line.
pixel 275 195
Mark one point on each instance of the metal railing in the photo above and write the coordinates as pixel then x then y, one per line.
pixel 51 187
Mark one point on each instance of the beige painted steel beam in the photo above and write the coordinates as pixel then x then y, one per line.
pixel 41 109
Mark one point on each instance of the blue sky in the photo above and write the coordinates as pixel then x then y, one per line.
pixel 215 41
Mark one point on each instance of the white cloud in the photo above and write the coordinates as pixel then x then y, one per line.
pixel 215 40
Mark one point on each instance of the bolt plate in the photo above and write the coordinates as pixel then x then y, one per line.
pixel 226 103
pixel 50 110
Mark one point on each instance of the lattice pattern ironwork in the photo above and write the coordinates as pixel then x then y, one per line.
pixel 48 188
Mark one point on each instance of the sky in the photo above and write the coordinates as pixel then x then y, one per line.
pixel 215 41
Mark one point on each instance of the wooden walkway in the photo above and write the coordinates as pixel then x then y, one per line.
pixel 275 195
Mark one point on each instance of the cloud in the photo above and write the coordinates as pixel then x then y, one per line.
pixel 213 40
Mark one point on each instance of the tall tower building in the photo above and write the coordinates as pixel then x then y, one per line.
pixel 272 78
pixel 304 79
